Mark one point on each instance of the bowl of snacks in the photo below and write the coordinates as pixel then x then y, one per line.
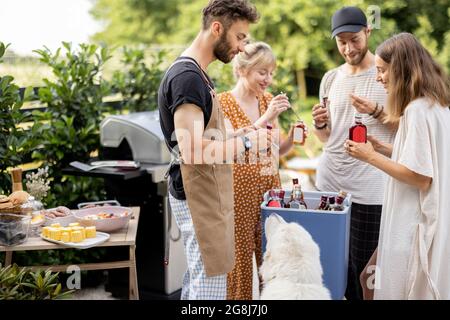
pixel 61 215
pixel 13 228
pixel 104 218
pixel 37 221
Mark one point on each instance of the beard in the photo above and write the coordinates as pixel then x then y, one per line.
pixel 357 60
pixel 222 49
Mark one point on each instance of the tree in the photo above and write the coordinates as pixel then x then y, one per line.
pixel 135 21
pixel 299 31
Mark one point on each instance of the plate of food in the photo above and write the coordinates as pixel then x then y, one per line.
pixel 74 236
pixel 61 215
pixel 104 218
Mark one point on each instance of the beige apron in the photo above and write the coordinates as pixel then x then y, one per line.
pixel 209 195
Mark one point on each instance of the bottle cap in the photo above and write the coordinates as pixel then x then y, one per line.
pixel 342 194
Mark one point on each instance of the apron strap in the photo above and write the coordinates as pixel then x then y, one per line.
pixel 176 158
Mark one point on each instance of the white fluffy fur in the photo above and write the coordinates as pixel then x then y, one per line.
pixel 291 269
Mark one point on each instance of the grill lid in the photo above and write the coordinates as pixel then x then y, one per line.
pixel 143 133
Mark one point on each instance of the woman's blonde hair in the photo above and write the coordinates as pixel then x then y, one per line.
pixel 257 54
pixel 412 74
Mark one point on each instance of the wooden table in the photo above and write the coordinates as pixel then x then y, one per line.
pixel 123 237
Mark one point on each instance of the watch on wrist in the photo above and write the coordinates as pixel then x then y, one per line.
pixel 247 143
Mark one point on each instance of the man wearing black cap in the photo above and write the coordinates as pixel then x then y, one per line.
pixel 352 89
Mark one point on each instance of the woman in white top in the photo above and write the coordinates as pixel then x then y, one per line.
pixel 413 255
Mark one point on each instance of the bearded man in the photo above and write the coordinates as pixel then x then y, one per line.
pixel 201 182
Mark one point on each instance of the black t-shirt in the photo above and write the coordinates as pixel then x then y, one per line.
pixel 183 83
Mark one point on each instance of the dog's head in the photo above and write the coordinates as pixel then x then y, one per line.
pixel 291 253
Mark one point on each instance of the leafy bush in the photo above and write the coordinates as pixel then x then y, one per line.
pixel 68 128
pixel 23 284
pixel 14 140
pixel 137 82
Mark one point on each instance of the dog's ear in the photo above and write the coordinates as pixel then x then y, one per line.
pixel 271 224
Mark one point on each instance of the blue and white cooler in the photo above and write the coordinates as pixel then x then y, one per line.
pixel 329 229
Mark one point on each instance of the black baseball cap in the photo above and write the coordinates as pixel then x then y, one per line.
pixel 348 19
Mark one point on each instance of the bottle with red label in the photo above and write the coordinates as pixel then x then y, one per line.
pixel 274 199
pixel 297 199
pixel 331 203
pixel 323 203
pixel 358 132
pixel 339 205
pixel 299 133
pixel 324 102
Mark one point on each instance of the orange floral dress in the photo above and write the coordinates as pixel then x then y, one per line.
pixel 251 180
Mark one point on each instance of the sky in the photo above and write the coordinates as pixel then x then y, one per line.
pixel 31 24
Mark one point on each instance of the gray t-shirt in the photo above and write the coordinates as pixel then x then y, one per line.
pixel 337 170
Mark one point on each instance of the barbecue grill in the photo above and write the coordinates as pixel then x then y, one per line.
pixel 160 257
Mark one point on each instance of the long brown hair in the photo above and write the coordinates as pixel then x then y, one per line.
pixel 412 74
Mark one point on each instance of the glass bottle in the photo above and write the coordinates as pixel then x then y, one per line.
pixel 274 199
pixel 16 178
pixel 283 204
pixel 358 132
pixel 323 203
pixel 297 199
pixel 339 206
pixel 299 133
pixel 324 102
pixel 331 203
pixel 294 183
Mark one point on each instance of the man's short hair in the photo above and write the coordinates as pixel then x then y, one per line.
pixel 229 11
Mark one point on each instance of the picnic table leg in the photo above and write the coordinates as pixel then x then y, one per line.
pixel 8 258
pixel 134 293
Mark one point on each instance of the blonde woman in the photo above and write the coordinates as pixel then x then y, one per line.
pixel 412 259
pixel 247 105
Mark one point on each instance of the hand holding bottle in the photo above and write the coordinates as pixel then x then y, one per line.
pixel 360 151
pixel 320 113
pixel 358 132
pixel 298 133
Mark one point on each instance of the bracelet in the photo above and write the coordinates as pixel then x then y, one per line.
pixel 375 110
pixel 321 127
pixel 379 113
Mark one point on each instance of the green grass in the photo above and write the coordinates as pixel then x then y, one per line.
pixel 27 74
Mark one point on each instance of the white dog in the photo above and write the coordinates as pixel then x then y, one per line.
pixel 291 269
